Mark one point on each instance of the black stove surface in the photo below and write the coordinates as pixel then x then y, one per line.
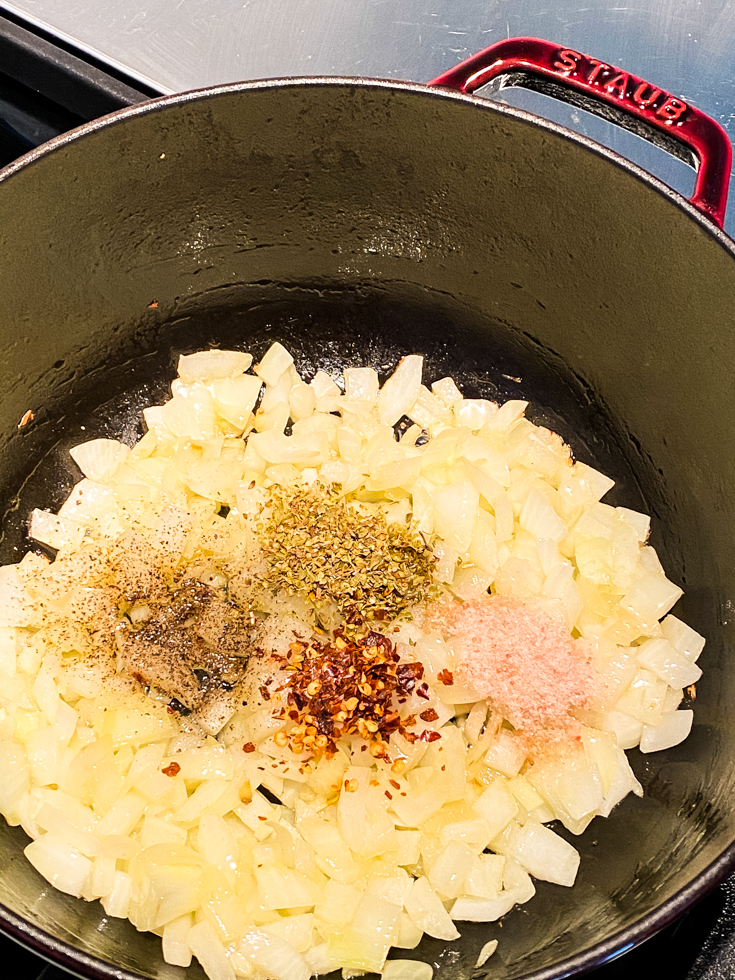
pixel 46 90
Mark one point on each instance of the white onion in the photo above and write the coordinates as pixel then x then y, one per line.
pixel 57 533
pixel 667 663
pixel 207 948
pixel 400 391
pixel 447 390
pixel 452 866
pixel 176 948
pixel 671 730
pixel 455 513
pixel 99 458
pixel 235 398
pixel 16 779
pixel 208 365
pixel 99 774
pixel 407 970
pixel 276 361
pixel 191 414
pixel 496 806
pixel 474 412
pixel 485 877
pixel 651 596
pixel 486 952
pixel 364 944
pixel 683 637
pixel 60 863
pixel 544 854
pixel 16 608
pixel 426 910
pixel 470 909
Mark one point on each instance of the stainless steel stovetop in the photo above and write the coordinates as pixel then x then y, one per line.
pixel 63 62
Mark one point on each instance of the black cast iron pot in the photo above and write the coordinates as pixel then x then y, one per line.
pixel 355 221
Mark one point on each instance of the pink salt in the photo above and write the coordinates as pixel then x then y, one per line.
pixel 522 658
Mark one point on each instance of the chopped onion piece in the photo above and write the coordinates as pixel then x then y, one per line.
pixel 667 663
pixel 210 952
pixel 486 952
pixel 683 637
pixel 60 863
pixel 467 909
pixel 426 910
pixel 651 596
pixel 544 854
pixel 208 365
pixel 176 948
pixel 671 730
pixel 407 970
pixel 99 458
pixel 276 361
pixel 57 533
pixel 400 391
pixel 361 385
pixel 16 607
pixel 447 390
pixel 235 398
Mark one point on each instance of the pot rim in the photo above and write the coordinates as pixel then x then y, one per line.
pixel 334 81
pixel 68 956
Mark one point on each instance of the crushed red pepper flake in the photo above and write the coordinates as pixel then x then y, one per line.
pixel 346 686
pixel 248 747
pixel 172 769
pixel 429 715
pixel 28 417
pixel 445 676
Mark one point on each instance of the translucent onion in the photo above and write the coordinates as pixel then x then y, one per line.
pixel 99 773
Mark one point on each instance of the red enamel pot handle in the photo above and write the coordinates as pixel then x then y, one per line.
pixel 610 86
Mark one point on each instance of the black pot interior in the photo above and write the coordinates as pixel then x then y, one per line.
pixel 357 223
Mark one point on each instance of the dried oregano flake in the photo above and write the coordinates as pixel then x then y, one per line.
pixel 326 549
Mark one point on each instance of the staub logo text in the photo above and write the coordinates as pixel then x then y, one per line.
pixel 621 84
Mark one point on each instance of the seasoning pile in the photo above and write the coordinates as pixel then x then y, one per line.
pixel 320 547
pixel 303 684
pixel 348 687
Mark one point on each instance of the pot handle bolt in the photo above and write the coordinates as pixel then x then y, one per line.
pixel 615 95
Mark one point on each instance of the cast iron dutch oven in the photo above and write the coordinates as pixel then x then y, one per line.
pixel 356 221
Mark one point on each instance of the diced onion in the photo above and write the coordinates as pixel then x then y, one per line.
pixel 671 730
pixel 99 458
pixel 407 970
pixel 242 847
pixel 60 863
